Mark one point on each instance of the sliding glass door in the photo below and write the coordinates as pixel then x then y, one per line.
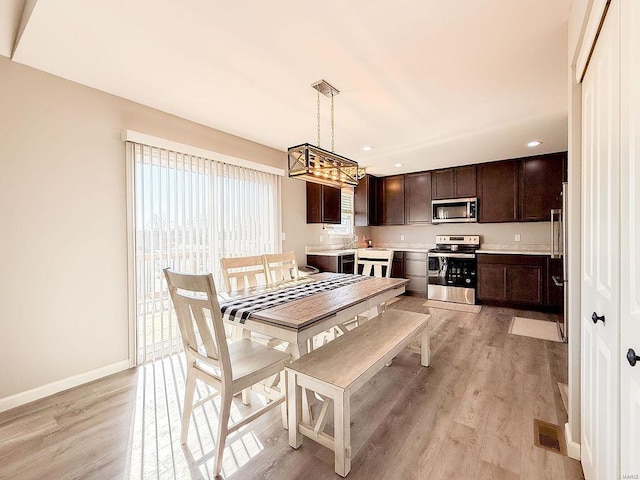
pixel 189 212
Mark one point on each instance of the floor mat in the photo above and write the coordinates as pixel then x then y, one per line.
pixel 529 327
pixel 458 307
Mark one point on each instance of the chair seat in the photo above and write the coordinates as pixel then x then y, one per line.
pixel 250 359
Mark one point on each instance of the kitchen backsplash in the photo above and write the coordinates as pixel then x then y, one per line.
pixel 504 234
pixel 534 236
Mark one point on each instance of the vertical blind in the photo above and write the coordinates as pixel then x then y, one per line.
pixel 189 212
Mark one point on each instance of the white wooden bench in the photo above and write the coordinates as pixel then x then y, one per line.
pixel 341 367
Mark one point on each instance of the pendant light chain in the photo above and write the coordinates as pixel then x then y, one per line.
pixel 333 129
pixel 318 118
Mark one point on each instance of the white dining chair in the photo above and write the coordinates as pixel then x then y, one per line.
pixel 281 266
pixel 243 272
pixel 229 368
pixel 371 263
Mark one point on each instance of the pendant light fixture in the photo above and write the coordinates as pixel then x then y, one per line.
pixel 317 165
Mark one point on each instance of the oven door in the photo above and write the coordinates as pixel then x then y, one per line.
pixel 452 277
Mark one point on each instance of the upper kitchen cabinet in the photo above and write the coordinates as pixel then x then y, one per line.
pixel 498 191
pixel 459 182
pixel 393 200
pixel 541 185
pixel 367 201
pixel 323 204
pixel 418 197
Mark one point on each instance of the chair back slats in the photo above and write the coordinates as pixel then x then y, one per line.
pixel 203 335
pixel 376 263
pixel 243 272
pixel 281 266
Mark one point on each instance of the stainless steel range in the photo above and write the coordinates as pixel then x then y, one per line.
pixel 453 269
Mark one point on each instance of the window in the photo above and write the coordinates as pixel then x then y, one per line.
pixel 187 212
pixel 346 227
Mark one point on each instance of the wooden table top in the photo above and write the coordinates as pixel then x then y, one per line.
pixel 304 312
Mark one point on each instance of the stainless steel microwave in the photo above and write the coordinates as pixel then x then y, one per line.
pixel 455 210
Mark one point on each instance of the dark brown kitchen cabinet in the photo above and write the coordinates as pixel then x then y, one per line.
pixel 513 279
pixel 367 201
pixel 418 197
pixel 498 191
pixel 415 269
pixel 323 204
pixel 541 185
pixel 333 263
pixel 393 200
pixel 459 182
pixel 397 267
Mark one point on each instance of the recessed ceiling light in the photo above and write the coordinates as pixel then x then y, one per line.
pixel 398 165
pixel 367 148
pixel 534 143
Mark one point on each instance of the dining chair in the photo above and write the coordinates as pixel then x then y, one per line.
pixel 370 263
pixel 281 266
pixel 373 263
pixel 240 273
pixel 243 272
pixel 229 368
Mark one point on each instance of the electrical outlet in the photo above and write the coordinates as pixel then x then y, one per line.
pixel 284 236
pixel 402 238
pixel 517 237
pixel 321 239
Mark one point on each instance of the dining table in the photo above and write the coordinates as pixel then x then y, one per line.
pixel 297 310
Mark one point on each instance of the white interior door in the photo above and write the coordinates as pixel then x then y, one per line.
pixel 630 233
pixel 600 253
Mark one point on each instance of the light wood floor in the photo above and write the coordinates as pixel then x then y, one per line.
pixel 468 416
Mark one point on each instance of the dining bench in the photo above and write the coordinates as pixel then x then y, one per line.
pixel 341 367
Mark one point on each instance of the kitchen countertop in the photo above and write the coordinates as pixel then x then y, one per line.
pixel 514 252
pixel 510 249
pixel 491 249
pixel 332 253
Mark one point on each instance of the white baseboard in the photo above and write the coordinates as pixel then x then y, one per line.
pixel 37 393
pixel 573 448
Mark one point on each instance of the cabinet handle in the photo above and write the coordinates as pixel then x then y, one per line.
pixel 595 317
pixel 632 358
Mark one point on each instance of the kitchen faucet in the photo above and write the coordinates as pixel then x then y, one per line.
pixel 351 243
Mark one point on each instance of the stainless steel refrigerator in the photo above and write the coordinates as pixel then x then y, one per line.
pixel 559 250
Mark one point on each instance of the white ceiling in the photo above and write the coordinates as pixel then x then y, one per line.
pixel 428 83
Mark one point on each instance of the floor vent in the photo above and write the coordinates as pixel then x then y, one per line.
pixel 549 436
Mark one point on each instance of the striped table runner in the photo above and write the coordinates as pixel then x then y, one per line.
pixel 238 310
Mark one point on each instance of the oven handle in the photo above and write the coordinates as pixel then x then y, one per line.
pixel 452 255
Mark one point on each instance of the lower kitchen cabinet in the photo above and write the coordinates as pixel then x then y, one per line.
pixel 513 279
pixel 397 267
pixel 415 269
pixel 333 263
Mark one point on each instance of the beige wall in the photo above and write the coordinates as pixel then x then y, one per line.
pixel 63 301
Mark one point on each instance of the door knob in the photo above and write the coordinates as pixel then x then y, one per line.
pixel 632 357
pixel 595 317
